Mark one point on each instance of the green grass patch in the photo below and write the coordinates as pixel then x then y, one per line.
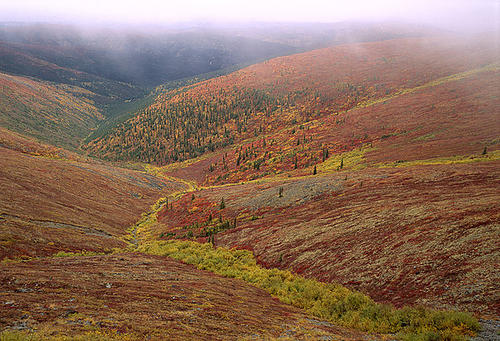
pixel 489 156
pixel 352 160
pixel 119 112
pixel 426 137
pixel 327 301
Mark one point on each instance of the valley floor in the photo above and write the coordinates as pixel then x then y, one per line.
pixel 404 235
pixel 411 235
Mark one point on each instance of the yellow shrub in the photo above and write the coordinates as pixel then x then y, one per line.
pixel 325 300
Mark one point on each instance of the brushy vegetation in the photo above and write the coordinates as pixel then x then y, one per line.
pixel 83 253
pixel 328 301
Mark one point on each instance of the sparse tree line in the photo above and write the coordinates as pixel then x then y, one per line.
pixel 187 127
pixel 187 123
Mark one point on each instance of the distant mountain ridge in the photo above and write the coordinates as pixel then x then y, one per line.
pixel 150 57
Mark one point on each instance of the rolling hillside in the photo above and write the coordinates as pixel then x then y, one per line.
pixel 108 72
pixel 143 56
pixel 404 235
pixel 15 61
pixel 287 92
pixel 134 297
pixel 59 114
pixel 50 203
pixel 390 188
pixel 149 55
pixel 350 192
pixel 60 210
pixel 448 119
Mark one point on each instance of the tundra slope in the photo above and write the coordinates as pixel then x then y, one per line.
pixel 448 118
pixel 284 93
pixel 59 114
pixel 60 216
pixel 404 205
pixel 50 203
pixel 372 213
pixel 131 296
pixel 407 236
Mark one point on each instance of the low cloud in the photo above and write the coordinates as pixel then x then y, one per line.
pixel 455 15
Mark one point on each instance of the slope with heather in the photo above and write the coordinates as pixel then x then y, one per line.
pixel 283 92
pixel 60 114
pixel 452 117
pixel 135 297
pixel 395 196
pixel 370 165
pixel 405 210
pixel 60 210
pixel 50 203
pixel 404 235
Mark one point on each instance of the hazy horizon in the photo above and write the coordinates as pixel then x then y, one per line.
pixel 454 15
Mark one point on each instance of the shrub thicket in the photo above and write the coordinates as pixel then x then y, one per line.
pixel 328 301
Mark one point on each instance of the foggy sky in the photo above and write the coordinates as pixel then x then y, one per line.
pixel 453 14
